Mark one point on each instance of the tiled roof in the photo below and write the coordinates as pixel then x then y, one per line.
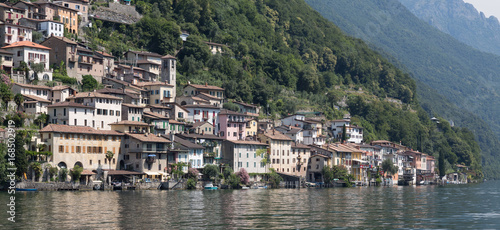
pixel 208 96
pixel 32 86
pixel 205 87
pixel 93 95
pixel 26 44
pixel 186 143
pixel 142 84
pixel 155 115
pixel 11 7
pixel 111 91
pixel 230 112
pixel 35 98
pixel 202 106
pixel 148 138
pixel 133 106
pixel 60 87
pixel 64 39
pixel 171 121
pixel 245 104
pixel 2 51
pixel 69 104
pixel 168 57
pixel 159 107
pixel 125 122
pixel 104 54
pixel 241 142
pixel 299 146
pixel 145 53
pixel 200 123
pixel 77 129
pixel 200 136
pixel 276 135
pixel 140 62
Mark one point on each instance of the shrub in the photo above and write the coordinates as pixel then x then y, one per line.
pixel 63 174
pixel 210 172
pixel 76 173
pixel 244 177
pixel 233 180
pixel 191 183
pixel 193 174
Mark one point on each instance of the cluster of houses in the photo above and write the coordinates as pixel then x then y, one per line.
pixel 139 117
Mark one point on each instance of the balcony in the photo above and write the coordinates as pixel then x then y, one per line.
pixel 72 58
pixel 84 61
pixel 209 155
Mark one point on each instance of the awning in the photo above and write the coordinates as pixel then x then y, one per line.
pixel 152 173
pixel 361 161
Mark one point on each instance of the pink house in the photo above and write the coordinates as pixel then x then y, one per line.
pixel 231 125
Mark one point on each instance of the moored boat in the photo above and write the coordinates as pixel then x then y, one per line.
pixel 27 189
pixel 210 187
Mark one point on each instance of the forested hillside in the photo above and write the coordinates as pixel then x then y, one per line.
pixel 285 56
pixel 460 20
pixel 442 66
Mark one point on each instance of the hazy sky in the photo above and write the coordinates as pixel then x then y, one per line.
pixel 488 7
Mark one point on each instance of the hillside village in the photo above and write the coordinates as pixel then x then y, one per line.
pixel 150 126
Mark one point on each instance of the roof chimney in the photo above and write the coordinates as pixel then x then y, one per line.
pixel 206 84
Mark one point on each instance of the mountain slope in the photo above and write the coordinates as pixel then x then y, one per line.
pixel 460 20
pixel 285 56
pixel 465 76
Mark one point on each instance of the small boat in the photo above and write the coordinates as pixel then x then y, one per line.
pixel 27 189
pixel 210 187
pixel 245 187
pixel 263 187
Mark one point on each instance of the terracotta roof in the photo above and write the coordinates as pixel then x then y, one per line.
pixel 168 57
pixel 69 104
pixel 104 54
pixel 32 86
pixel 241 142
pixel 148 138
pixel 77 129
pixel 133 106
pixel 205 87
pixel 320 155
pixel 276 135
pixel 125 122
pixel 296 145
pixel 342 148
pixel 111 91
pixel 124 83
pixel 64 39
pixel 93 95
pixel 26 44
pixel 155 115
pixel 171 121
pixel 87 172
pixel 35 98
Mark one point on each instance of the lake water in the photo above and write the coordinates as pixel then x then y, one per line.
pixel 474 206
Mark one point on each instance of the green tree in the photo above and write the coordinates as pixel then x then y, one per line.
pixel 19 100
pixel 231 106
pixel 233 180
pixel 227 172
pixel 37 68
pixel 210 171
pixel 37 168
pixel 42 120
pixel 442 165
pixel 21 161
pixel 275 178
pixel 76 173
pixel 344 134
pixel 89 83
pixel 6 94
pixel 191 183
pixel 63 174
pixel 388 167
pixel 109 157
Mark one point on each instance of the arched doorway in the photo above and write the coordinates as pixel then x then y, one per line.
pixel 79 164
pixel 183 103
pixel 62 165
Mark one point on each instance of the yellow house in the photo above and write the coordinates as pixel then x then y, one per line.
pixel 251 128
pixel 350 157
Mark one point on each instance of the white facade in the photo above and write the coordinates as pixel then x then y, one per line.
pixel 11 33
pixel 71 114
pixel 33 90
pixel 31 53
pixel 199 113
pixel 51 28
pixel 107 109
pixel 193 157
pixel 245 156
pixel 296 120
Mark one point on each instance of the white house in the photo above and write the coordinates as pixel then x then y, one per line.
pixel 354 133
pixel 199 113
pixel 107 108
pixel 31 53
pixel 11 33
pixel 70 113
pixel 240 154
pixel 49 28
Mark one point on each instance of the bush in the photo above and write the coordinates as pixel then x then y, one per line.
pixel 227 172
pixel 76 173
pixel 210 172
pixel 275 178
pixel 244 177
pixel 233 180
pixel 191 184
pixel 193 174
pixel 63 174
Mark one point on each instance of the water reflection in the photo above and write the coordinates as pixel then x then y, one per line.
pixel 465 206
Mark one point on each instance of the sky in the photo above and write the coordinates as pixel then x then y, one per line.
pixel 488 7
